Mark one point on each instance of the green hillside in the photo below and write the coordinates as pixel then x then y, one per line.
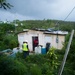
pixel 62 25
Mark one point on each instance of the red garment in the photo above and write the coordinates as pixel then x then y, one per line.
pixel 35 42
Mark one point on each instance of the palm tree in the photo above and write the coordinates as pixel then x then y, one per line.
pixel 4 4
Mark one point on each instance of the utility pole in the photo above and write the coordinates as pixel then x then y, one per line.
pixel 66 53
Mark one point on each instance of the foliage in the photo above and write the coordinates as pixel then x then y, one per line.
pixel 35 70
pixel 63 25
pixel 47 64
pixel 9 66
pixel 29 66
pixel 8 39
pixel 69 66
pixel 53 57
pixel 4 4
pixel 42 67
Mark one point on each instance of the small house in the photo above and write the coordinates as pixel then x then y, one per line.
pixel 42 37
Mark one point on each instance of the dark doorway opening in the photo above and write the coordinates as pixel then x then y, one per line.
pixel 35 42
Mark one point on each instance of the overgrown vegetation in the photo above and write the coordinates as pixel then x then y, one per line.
pixel 9 66
pixel 8 39
pixel 29 66
pixel 47 64
pixel 69 66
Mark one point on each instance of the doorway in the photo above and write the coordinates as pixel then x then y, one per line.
pixel 35 42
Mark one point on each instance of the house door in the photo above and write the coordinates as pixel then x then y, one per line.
pixel 34 42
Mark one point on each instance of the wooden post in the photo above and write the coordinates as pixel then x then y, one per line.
pixel 66 53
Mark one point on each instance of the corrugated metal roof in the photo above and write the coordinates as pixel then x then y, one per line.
pixel 47 31
pixel 57 32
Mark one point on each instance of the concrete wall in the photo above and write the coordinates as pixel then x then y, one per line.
pixel 61 40
pixel 43 39
pixel 28 37
pixel 52 40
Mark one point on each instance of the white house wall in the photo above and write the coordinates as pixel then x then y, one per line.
pixel 61 40
pixel 30 41
pixel 39 35
pixel 21 39
pixel 27 36
pixel 52 40
pixel 43 39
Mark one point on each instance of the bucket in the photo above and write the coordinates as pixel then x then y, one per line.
pixel 43 51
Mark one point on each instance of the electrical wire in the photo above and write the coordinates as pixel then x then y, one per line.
pixel 69 13
pixel 57 23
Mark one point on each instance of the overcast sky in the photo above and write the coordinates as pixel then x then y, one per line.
pixel 39 9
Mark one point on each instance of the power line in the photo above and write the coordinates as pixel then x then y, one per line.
pixel 57 23
pixel 69 13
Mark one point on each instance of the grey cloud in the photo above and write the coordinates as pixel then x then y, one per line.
pixel 32 7
pixel 40 9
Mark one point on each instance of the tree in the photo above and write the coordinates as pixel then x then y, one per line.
pixel 4 4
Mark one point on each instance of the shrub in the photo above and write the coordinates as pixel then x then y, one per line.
pixel 52 56
pixel 35 70
pixel 9 66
